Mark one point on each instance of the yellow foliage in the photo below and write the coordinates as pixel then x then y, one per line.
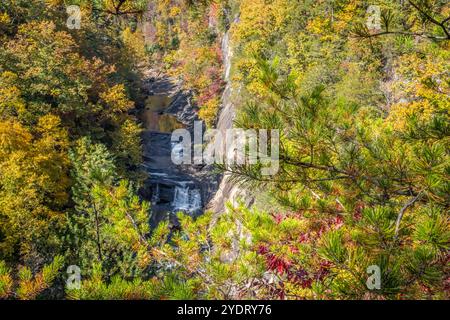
pixel 6 281
pixel 135 44
pixel 33 181
pixel 4 18
pixel 424 83
pixel 174 11
pixel 318 25
pixel 117 101
pixel 346 16
pixel 111 6
pixel 209 111
pixel 13 137
pixel 10 96
pixel 127 143
pixel 28 286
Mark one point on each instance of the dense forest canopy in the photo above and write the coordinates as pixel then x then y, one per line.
pixel 363 115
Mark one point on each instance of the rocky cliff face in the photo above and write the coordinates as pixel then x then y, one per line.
pixel 227 190
pixel 189 188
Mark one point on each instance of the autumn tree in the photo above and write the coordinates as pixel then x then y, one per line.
pixel 33 188
pixel 56 86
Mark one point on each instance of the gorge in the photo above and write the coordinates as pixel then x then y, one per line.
pixel 189 188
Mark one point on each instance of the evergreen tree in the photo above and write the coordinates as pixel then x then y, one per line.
pixel 28 286
pixel 110 222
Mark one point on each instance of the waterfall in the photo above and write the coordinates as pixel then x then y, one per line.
pixel 181 198
pixel 196 200
pixel 186 199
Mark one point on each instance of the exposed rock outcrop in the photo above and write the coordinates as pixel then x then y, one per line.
pixel 228 191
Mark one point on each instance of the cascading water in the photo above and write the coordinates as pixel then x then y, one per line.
pixel 187 199
pixel 181 198
pixel 171 187
pixel 196 200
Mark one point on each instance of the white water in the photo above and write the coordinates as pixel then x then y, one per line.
pixel 186 199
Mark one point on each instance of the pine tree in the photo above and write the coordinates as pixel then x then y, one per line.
pixel 387 186
pixel 110 223
pixel 28 286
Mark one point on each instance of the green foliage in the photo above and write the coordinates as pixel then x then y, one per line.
pixel 363 176
pixel 109 222
pixel 56 86
pixel 6 282
pixel 97 289
pixel 28 286
pixel 419 18
pixel 377 165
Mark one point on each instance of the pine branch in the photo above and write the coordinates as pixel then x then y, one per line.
pixel 431 19
pixel 364 32
pixel 403 210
